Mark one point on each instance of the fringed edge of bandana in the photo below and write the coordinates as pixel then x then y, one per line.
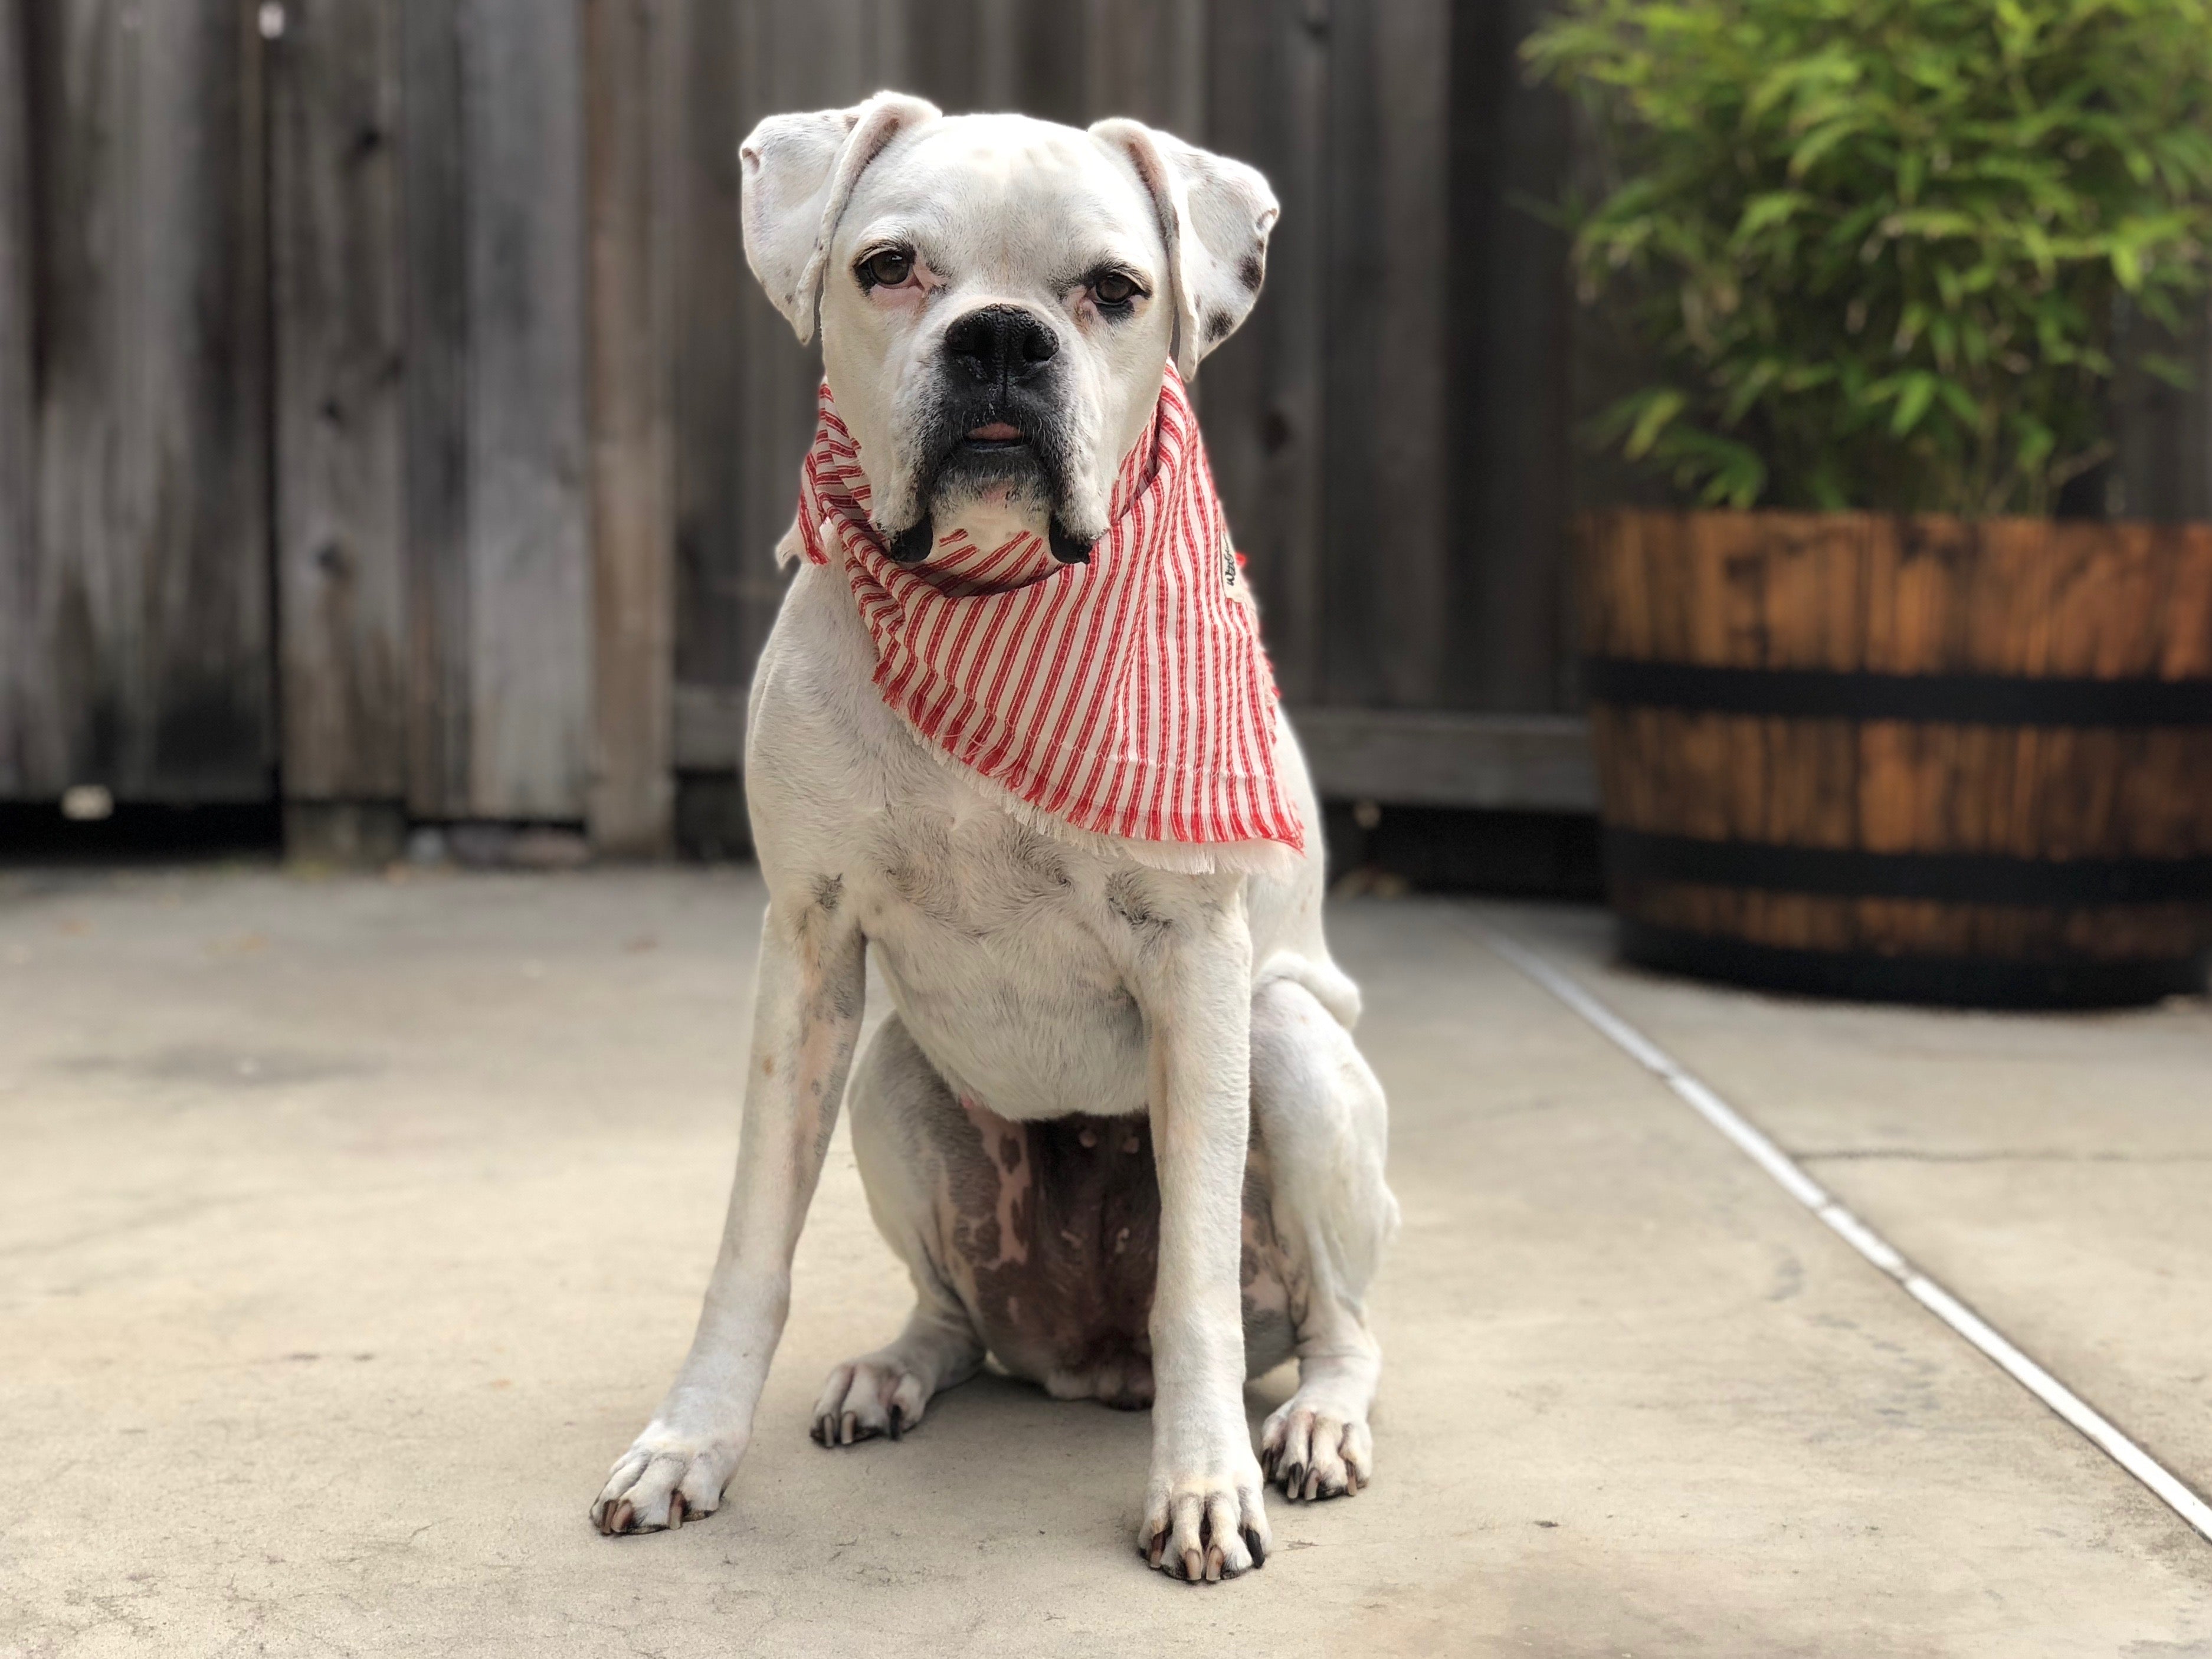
pixel 1274 858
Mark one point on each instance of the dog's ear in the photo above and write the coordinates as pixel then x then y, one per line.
pixel 1215 214
pixel 799 172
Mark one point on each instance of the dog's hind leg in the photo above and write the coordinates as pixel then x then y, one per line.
pixel 1320 1120
pixel 897 1100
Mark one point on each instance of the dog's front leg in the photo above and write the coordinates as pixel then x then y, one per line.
pixel 1204 1513
pixel 806 1017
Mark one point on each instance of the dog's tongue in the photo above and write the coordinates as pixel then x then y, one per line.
pixel 997 431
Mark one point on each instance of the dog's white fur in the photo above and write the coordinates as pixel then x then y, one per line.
pixel 1039 973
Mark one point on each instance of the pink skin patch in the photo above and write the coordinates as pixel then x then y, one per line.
pixel 1008 1148
pixel 1050 1232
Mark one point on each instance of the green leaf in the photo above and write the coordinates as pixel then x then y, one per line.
pixel 1749 390
pixel 1770 208
pixel 1919 391
pixel 1961 402
pixel 2170 370
pixel 1659 408
pixel 1807 154
pixel 2037 443
pixel 1912 170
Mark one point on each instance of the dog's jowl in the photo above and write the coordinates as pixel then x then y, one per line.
pixel 1015 740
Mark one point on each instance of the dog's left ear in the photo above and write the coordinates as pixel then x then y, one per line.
pixel 1215 214
pixel 798 173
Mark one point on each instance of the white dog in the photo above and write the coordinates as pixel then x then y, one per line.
pixel 1115 1126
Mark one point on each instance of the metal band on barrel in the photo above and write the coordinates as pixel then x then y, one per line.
pixel 1949 878
pixel 1854 694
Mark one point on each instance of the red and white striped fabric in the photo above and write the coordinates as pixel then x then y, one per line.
pixel 1129 697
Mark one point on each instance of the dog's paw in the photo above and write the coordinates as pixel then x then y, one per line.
pixel 866 1398
pixel 1207 1527
pixel 666 1478
pixel 1311 1454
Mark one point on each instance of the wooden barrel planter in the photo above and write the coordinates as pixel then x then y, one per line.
pixel 1919 758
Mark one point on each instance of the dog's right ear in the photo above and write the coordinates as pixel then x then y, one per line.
pixel 799 172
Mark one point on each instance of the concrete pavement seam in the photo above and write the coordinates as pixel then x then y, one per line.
pixel 1785 1171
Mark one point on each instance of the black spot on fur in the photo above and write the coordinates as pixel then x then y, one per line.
pixel 1250 271
pixel 1217 325
pixel 828 893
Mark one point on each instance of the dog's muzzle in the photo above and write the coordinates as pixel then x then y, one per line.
pixel 996 423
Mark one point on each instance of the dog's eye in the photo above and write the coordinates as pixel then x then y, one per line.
pixel 887 269
pixel 1113 289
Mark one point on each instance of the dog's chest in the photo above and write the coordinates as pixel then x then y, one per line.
pixel 1006 953
pixel 1009 953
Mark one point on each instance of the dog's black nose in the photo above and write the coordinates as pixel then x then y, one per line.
pixel 1001 344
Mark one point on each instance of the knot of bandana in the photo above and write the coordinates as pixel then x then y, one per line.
pixel 1129 697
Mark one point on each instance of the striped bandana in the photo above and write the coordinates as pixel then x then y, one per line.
pixel 1129 697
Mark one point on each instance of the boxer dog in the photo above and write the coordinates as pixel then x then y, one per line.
pixel 1115 1123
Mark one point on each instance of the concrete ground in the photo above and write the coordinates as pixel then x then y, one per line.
pixel 349 1228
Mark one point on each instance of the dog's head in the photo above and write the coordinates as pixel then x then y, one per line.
pixel 997 297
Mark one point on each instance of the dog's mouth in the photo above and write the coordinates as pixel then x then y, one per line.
pixel 993 452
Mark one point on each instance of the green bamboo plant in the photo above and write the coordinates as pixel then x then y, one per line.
pixel 1879 249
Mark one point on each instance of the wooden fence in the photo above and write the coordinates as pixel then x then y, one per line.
pixel 387 417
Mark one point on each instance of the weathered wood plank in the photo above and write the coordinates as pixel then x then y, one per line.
pixel 819 56
pixel 435 227
pixel 1262 396
pixel 1147 59
pixel 711 302
pixel 954 47
pixel 528 523
pixel 1430 757
pixel 149 613
pixel 966 55
pixel 633 51
pixel 340 400
pixel 18 517
pixel 710 728
pixel 2164 462
pixel 1356 548
pixel 1031 58
pixel 1512 453
pixel 1408 560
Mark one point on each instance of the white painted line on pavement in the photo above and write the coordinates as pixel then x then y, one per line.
pixel 2094 1427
